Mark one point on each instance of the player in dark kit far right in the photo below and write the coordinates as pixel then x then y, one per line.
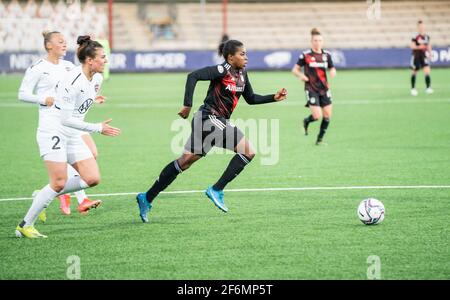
pixel 420 58
pixel 211 126
pixel 315 63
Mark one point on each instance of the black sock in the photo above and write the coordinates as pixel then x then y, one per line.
pixel 167 176
pixel 323 128
pixel 428 81
pixel 413 81
pixel 309 119
pixel 236 165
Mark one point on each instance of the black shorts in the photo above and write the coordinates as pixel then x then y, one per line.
pixel 209 131
pixel 315 99
pixel 419 62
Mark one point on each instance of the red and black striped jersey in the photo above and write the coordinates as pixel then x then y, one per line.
pixel 420 39
pixel 315 67
pixel 227 85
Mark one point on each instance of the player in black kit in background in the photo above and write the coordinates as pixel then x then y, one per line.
pixel 420 58
pixel 211 126
pixel 315 62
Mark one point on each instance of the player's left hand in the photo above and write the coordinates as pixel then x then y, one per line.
pixel 100 99
pixel 281 95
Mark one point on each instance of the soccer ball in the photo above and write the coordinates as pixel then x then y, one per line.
pixel 371 211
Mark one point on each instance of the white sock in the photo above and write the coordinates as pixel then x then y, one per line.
pixel 71 172
pixel 40 202
pixel 73 184
pixel 81 195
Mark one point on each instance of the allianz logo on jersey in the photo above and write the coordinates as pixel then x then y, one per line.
pixel 84 107
pixel 233 88
pixel 315 64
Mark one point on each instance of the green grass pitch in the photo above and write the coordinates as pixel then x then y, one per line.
pixel 379 136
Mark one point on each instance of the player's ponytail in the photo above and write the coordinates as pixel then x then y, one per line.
pixel 229 47
pixel 47 34
pixel 87 48
pixel 315 31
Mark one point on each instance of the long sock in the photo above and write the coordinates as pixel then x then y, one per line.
pixel 428 81
pixel 41 201
pixel 81 195
pixel 167 176
pixel 73 184
pixel 413 81
pixel 71 172
pixel 309 119
pixel 236 165
pixel 46 195
pixel 323 128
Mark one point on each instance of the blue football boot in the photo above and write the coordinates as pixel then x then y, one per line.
pixel 217 198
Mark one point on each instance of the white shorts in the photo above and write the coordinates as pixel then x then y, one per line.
pixel 61 148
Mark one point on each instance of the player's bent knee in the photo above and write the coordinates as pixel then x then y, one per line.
pixel 58 184
pixel 92 181
pixel 185 164
pixel 250 155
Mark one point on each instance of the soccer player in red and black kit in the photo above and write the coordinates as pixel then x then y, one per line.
pixel 315 63
pixel 211 126
pixel 420 58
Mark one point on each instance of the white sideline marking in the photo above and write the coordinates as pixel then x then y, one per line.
pixel 325 188
pixel 288 103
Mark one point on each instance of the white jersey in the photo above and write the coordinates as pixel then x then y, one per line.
pixel 74 97
pixel 39 82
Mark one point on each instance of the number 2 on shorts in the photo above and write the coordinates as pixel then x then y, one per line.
pixel 55 146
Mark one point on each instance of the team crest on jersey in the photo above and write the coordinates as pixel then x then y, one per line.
pixel 220 69
pixel 96 87
pixel 313 58
pixel 84 107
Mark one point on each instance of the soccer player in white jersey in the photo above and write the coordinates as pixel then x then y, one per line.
pixel 62 143
pixel 38 86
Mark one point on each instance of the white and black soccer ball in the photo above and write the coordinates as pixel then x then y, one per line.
pixel 371 211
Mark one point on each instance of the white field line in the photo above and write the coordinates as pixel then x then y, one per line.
pixel 290 103
pixel 287 189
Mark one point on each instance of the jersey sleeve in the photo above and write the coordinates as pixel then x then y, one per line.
pixel 207 73
pixel 29 82
pixel 65 102
pixel 330 61
pixel 301 60
pixel 251 98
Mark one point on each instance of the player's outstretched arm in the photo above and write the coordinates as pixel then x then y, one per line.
pixel 108 129
pixel 251 98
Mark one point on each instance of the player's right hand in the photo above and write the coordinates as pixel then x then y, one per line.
pixel 184 112
pixel 109 130
pixel 49 101
pixel 304 78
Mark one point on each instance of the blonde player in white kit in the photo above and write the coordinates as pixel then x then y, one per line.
pixel 38 86
pixel 62 143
